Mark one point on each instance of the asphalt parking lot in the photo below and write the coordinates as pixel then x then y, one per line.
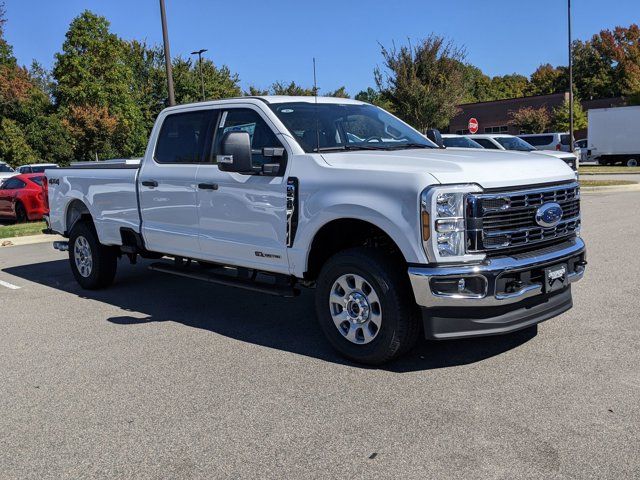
pixel 166 377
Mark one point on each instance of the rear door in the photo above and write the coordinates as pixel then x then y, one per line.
pixel 167 184
pixel 243 217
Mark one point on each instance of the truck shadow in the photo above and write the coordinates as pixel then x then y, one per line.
pixel 273 322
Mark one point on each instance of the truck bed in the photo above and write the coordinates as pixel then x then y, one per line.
pixel 107 190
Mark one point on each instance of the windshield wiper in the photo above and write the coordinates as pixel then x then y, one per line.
pixel 339 148
pixel 409 145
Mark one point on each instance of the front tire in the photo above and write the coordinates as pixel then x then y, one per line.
pixel 365 306
pixel 93 265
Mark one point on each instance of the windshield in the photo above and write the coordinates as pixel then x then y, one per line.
pixel 461 142
pixel 332 126
pixel 4 168
pixel 514 143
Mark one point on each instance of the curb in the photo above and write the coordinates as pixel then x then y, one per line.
pixel 614 188
pixel 609 173
pixel 28 240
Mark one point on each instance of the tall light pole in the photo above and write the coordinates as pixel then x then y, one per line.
pixel 167 55
pixel 570 77
pixel 199 53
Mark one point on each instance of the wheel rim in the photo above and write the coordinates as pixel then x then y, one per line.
pixel 355 309
pixel 82 256
pixel 632 163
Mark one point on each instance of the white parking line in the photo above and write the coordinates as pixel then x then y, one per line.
pixel 10 286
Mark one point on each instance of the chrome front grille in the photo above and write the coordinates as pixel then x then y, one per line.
pixel 497 222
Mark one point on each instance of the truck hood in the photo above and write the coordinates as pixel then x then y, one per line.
pixel 555 153
pixel 489 169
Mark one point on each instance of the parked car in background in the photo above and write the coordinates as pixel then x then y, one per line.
pixel 548 141
pixel 504 141
pixel 36 167
pixel 22 198
pixel 5 172
pixel 451 140
pixel 580 150
pixel 613 135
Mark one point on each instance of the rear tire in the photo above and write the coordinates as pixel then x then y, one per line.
pixel 93 265
pixel 365 306
pixel 21 213
pixel 632 162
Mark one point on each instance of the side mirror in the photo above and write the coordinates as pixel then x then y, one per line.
pixel 433 134
pixel 236 153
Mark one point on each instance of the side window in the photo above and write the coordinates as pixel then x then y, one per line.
pixel 13 184
pixel 247 120
pixel 182 137
pixel 540 140
pixel 486 143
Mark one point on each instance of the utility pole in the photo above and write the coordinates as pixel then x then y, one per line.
pixel 199 53
pixel 570 77
pixel 167 55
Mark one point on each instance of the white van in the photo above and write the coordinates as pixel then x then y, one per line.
pixel 548 141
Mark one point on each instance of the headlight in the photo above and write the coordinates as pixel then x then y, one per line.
pixel 443 208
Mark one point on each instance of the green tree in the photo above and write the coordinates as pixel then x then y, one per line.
pixel 51 138
pixel 593 72
pixel 622 47
pixel 293 89
pixel 373 97
pixel 478 85
pixel 218 82
pixel 509 86
pixel 548 79
pixel 530 119
pixel 14 148
pixel 340 92
pixel 6 50
pixel 560 118
pixel 423 83
pixel 93 87
pixel 257 92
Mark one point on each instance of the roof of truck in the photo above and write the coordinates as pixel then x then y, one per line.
pixel 272 99
pixel 306 99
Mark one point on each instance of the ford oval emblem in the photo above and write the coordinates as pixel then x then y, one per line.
pixel 549 215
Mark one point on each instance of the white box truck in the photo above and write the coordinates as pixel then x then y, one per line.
pixel 613 135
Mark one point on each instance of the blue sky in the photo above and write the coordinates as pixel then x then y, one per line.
pixel 265 41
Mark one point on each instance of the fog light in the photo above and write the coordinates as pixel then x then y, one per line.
pixel 469 286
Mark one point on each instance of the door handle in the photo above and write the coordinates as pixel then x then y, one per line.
pixel 208 186
pixel 149 183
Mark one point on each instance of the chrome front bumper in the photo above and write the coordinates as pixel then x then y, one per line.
pixel 491 271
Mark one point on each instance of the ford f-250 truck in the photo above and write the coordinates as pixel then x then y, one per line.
pixel 400 238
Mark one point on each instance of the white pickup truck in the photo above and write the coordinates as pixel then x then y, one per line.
pixel 400 238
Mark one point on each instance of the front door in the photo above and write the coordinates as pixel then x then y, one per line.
pixel 243 217
pixel 168 190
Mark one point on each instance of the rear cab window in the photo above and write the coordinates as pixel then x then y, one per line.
pixel 182 137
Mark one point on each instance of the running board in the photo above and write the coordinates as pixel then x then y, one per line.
pixel 280 290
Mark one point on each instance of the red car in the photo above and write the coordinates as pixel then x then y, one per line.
pixel 22 198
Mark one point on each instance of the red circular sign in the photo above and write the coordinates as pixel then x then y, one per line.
pixel 473 125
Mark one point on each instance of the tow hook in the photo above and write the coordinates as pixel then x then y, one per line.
pixel 61 246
